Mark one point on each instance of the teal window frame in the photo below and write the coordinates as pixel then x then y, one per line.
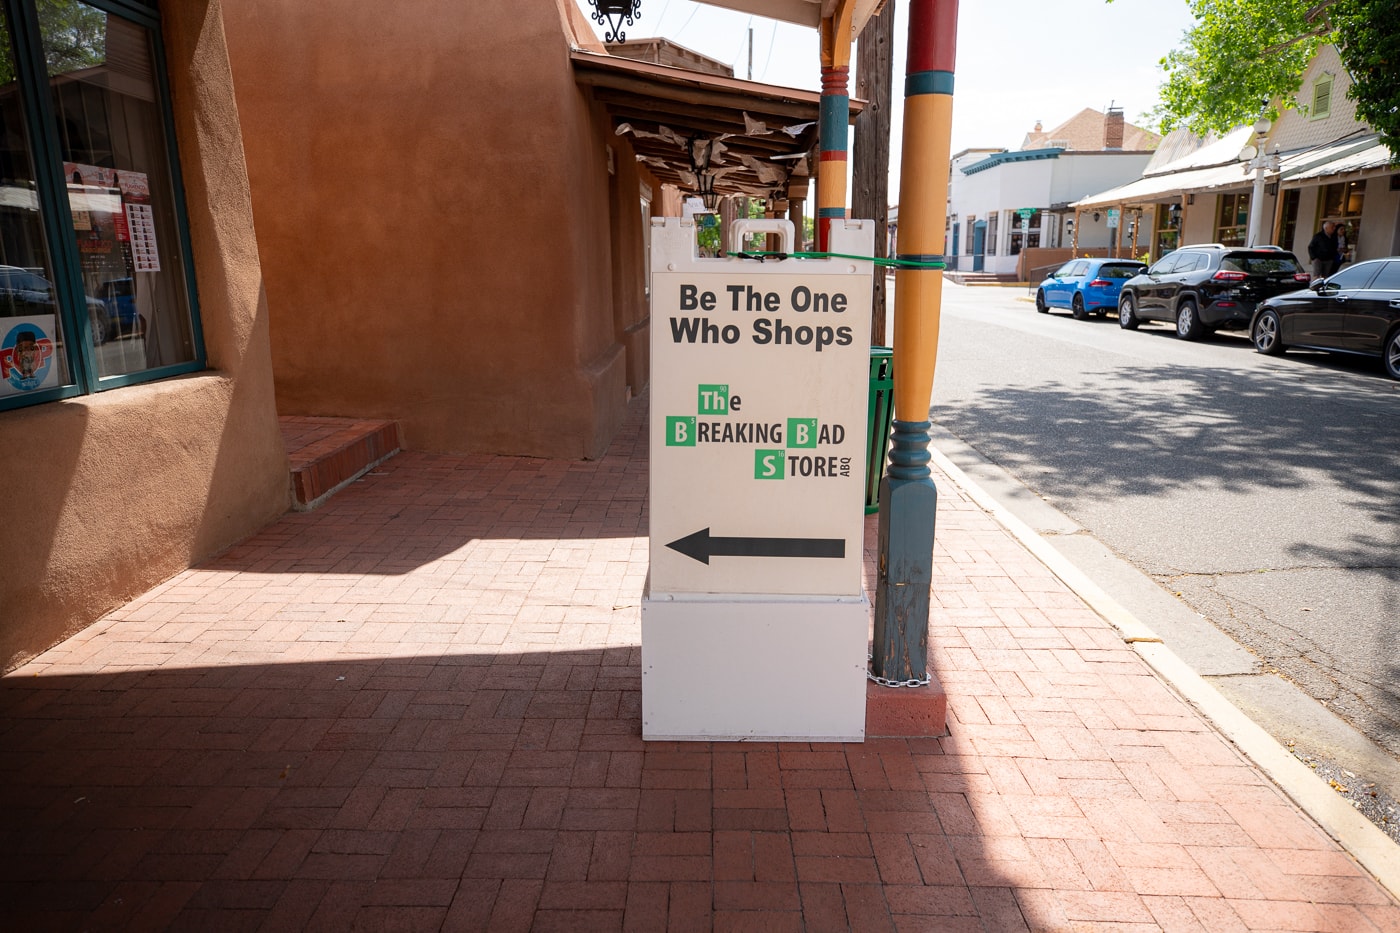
pixel 51 189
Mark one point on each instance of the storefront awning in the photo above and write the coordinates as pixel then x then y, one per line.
pixel 765 134
pixel 1344 157
pixel 1167 186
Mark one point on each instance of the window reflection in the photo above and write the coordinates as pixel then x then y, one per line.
pixel 120 191
pixel 33 349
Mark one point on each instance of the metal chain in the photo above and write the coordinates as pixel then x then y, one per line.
pixel 886 682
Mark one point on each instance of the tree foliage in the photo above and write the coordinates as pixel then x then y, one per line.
pixel 1246 58
pixel 75 37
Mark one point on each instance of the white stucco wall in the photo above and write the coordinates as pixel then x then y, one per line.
pixel 1078 174
pixel 1039 183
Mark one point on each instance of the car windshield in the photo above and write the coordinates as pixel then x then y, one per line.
pixel 1119 271
pixel 1260 265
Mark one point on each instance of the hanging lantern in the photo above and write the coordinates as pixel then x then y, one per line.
pixel 612 13
pixel 707 189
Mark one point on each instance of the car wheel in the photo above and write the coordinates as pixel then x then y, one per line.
pixel 1188 321
pixel 1266 333
pixel 1127 317
pixel 1077 307
pixel 1392 354
pixel 1040 304
pixel 99 330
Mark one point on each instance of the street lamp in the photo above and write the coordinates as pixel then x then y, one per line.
pixel 1261 163
pixel 613 12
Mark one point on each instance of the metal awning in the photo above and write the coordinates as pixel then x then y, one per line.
pixel 1168 185
pixel 1355 155
pixel 765 133
pixel 1344 157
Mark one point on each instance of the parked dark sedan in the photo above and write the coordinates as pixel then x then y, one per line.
pixel 1204 288
pixel 1357 310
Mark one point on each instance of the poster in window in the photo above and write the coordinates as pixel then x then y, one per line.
pixel 140 220
pixel 26 354
pixel 96 206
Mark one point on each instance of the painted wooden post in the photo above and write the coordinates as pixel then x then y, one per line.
pixel 834 118
pixel 871 172
pixel 908 499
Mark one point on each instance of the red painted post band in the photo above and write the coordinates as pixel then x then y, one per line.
pixel 933 36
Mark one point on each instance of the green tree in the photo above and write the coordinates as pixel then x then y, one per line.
pixel 75 37
pixel 1245 58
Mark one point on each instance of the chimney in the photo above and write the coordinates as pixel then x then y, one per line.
pixel 1113 128
pixel 1037 126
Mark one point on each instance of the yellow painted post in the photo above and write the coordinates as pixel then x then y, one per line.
pixel 834 120
pixel 908 498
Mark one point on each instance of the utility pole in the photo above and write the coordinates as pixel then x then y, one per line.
pixel 750 53
pixel 871 169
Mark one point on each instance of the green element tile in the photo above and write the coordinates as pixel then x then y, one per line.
pixel 680 431
pixel 713 400
pixel 802 432
pixel 768 464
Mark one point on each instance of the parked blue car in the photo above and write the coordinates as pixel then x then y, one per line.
pixel 1086 286
pixel 119 298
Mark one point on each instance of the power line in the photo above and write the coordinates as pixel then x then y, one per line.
pixel 687 21
pixel 771 39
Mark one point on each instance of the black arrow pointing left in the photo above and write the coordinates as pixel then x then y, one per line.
pixel 702 546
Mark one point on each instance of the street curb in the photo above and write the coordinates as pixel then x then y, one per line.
pixel 1360 838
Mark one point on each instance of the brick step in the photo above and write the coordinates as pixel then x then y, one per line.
pixel 327 454
pixel 906 712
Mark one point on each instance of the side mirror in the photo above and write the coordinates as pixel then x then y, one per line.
pixel 1316 284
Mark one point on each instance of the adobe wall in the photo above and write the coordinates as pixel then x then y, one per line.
pixel 109 494
pixel 433 211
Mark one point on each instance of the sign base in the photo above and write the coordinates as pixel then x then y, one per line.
pixel 717 668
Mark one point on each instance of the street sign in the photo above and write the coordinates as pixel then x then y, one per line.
pixel 1025 213
pixel 759 404
pixel 1113 216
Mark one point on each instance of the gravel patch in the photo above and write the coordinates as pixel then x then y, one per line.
pixel 1369 800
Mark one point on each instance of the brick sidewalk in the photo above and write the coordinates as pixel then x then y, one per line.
pixel 418 708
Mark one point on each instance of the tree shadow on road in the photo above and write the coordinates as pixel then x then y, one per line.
pixel 1325 447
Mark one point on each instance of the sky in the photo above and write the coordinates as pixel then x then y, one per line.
pixel 1018 61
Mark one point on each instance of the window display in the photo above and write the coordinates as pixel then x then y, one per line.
pixel 92 244
pixel 31 339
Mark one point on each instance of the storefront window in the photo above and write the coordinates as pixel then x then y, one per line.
pixel 1168 233
pixel 32 338
pixel 1289 214
pixel 1232 223
pixel 1344 199
pixel 103 204
pixel 1030 227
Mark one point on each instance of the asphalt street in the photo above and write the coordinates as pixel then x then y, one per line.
pixel 1213 491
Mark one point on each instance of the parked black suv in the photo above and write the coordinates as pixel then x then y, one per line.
pixel 1205 288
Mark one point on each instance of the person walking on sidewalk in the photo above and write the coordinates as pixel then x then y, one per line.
pixel 1322 250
